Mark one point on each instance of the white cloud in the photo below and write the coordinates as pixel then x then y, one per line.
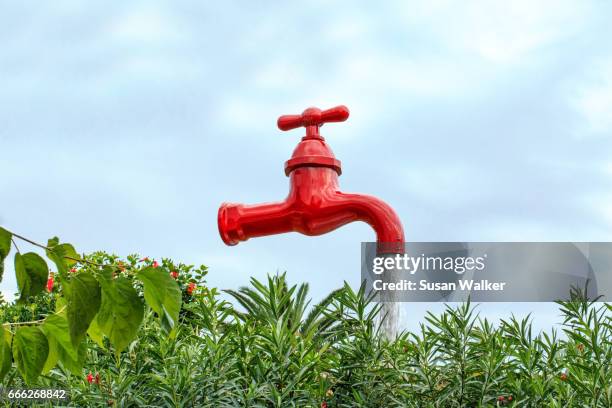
pixel 348 28
pixel 440 49
pixel 146 24
pixel 439 183
pixel 502 32
pixel 601 201
pixel 276 75
pixel 593 98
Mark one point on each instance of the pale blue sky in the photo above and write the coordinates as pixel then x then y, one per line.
pixel 124 125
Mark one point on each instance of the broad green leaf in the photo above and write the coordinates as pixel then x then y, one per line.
pixel 55 254
pixel 58 252
pixel 5 248
pixel 162 294
pixel 121 311
pixel 30 351
pixel 56 326
pixel 75 366
pixel 5 352
pixel 94 330
pixel 95 333
pixel 32 272
pixel 83 301
pixel 53 356
pixel 61 306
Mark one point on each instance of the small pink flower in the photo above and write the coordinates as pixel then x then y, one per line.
pixel 174 274
pixel 155 264
pixel 90 378
pixel 73 270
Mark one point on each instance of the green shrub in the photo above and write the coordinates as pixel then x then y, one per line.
pixel 270 348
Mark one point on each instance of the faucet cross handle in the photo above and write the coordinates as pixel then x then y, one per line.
pixel 312 119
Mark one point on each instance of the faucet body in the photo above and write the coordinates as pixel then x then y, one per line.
pixel 315 205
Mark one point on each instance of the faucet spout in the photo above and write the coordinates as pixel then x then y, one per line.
pixel 239 222
pixel 379 215
pixel 315 205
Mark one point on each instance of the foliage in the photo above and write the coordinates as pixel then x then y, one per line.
pixel 96 292
pixel 271 348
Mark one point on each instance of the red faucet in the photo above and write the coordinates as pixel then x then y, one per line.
pixel 315 205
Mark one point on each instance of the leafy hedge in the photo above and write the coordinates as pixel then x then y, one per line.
pixel 273 349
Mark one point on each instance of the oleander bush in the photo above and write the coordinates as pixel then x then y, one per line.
pixel 265 345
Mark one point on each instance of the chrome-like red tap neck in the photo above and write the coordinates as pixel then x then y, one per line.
pixel 312 132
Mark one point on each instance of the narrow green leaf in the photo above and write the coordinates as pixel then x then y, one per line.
pixel 32 272
pixel 121 311
pixel 83 301
pixel 30 351
pixel 5 352
pixel 5 248
pixel 162 294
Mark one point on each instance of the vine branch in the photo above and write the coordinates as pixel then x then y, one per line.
pixel 33 322
pixel 50 249
pixel 16 247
